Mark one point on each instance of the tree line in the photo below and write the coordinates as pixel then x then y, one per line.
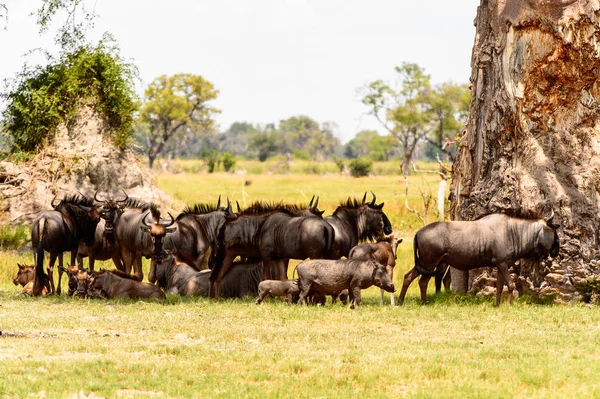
pixel 176 118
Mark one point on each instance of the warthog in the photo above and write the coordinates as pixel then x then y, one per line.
pixel 117 284
pixel 286 288
pixel 384 252
pixel 25 277
pixel 333 276
pixel 495 240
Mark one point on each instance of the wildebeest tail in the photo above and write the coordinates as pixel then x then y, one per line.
pixel 40 277
pixel 418 265
pixel 329 241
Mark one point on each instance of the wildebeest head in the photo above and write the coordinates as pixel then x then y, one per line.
pixel 157 231
pixel 374 221
pixel 548 241
pixel 109 210
pixel 24 275
pixel 380 277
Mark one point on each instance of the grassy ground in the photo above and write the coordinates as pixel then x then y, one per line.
pixel 193 347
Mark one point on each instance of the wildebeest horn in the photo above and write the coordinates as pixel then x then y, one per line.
pixel 96 196
pixel 229 210
pixel 549 219
pixel 239 210
pixel 364 198
pixel 52 202
pixel 126 197
pixel 316 203
pixel 219 202
pixel 172 220
pixel 374 198
pixel 144 220
pixel 310 203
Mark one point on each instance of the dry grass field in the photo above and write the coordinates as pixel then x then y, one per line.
pixel 457 346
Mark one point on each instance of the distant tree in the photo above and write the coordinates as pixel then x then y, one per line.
pixel 236 138
pixel 173 104
pixel 264 143
pixel 370 143
pixel 403 111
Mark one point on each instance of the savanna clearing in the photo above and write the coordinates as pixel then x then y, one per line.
pixel 457 346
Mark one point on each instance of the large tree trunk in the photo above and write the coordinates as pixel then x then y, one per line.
pixel 532 142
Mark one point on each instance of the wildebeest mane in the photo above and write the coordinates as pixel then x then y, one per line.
pixel 262 208
pixel 134 203
pixel 153 210
pixel 76 199
pixel 197 209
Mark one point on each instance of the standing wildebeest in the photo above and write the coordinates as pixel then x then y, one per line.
pixel 241 236
pixel 179 278
pixel 384 252
pixel 333 276
pixel 196 234
pixel 300 235
pixel 116 284
pixel 495 240
pixel 354 222
pixel 136 238
pixel 105 246
pixel 73 219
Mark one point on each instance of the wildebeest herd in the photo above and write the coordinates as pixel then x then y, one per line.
pixel 210 250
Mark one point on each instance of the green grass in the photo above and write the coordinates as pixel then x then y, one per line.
pixel 455 347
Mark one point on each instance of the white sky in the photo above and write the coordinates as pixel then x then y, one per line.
pixel 273 59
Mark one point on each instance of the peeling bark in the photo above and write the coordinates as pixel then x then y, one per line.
pixel 532 141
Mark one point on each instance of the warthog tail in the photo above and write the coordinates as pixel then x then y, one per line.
pixel 418 265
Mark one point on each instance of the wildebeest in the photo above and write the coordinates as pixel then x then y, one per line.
pixel 333 276
pixel 25 277
pixel 78 281
pixel 383 251
pixel 354 222
pixel 136 236
pixel 105 246
pixel 196 234
pixel 287 288
pixel 496 240
pixel 116 284
pixel 179 278
pixel 55 231
pixel 242 237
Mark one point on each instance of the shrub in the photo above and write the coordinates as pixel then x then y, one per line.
pixel 339 163
pixel 228 161
pixel 361 167
pixel 213 159
pixel 13 237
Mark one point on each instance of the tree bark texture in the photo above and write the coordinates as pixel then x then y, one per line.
pixel 532 141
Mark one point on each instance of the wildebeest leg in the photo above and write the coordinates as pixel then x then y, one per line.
pixel 357 301
pixel 408 278
pixel 381 297
pixel 282 265
pixel 51 270
pixel 391 293
pixel 447 279
pixel 499 287
pixel 503 270
pixel 304 293
pixel 423 281
pixel 137 267
pixel 225 265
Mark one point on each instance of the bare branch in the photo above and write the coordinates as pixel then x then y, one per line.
pixel 442 175
pixel 406 201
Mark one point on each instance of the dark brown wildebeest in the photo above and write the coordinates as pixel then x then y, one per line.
pixel 59 230
pixel 135 237
pixel 495 240
pixel 179 278
pixel 241 236
pixel 384 252
pixel 355 222
pixel 117 284
pixel 287 288
pixel 333 276
pixel 78 281
pixel 25 277
pixel 196 234
pixel 105 246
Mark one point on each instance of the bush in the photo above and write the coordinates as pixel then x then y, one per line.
pixel 339 163
pixel 213 159
pixel 43 97
pixel 13 237
pixel 361 167
pixel 228 162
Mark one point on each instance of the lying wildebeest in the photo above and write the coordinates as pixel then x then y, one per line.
pixel 333 276
pixel 287 288
pixel 179 278
pixel 384 252
pixel 242 234
pixel 355 222
pixel 25 277
pixel 495 240
pixel 78 280
pixel 117 284
pixel 73 219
